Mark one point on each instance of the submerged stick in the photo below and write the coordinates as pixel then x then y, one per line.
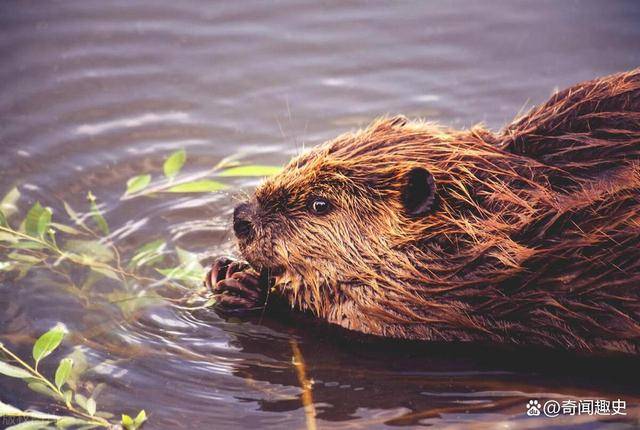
pixel 305 384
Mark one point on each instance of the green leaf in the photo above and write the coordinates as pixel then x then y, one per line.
pixel 63 372
pixel 28 244
pixel 187 258
pixel 40 415
pixel 65 228
pixel 109 273
pixel 30 425
pixel 204 185
pixel 44 221
pixel 6 409
pixel 173 164
pixel 140 418
pixel 5 266
pixel 3 220
pixel 73 215
pixel 13 371
pixel 8 203
pixel 67 395
pixel 171 272
pixel 68 422
pixel 189 270
pixel 81 400
pixel 137 183
pixel 8 237
pixel 129 303
pixel 95 249
pixel 32 219
pixel 127 422
pixel 88 405
pixel 148 253
pixel 27 258
pixel 252 170
pixel 226 162
pixel 80 365
pixel 181 273
pixel 133 424
pixel 48 342
pixel 91 406
pixel 41 388
pixel 96 214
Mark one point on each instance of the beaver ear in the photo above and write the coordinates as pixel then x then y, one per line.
pixel 419 192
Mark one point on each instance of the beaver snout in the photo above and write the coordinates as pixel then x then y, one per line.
pixel 242 224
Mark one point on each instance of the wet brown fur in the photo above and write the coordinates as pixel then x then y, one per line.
pixel 534 239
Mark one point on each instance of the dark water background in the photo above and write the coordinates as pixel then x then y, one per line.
pixel 93 92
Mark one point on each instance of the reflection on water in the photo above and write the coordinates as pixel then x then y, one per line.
pixel 94 93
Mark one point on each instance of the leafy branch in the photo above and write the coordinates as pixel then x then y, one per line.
pixel 34 241
pixel 82 410
pixel 197 183
pixel 42 241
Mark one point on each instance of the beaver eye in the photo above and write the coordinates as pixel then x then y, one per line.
pixel 319 206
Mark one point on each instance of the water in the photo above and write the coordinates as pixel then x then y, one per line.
pixel 96 92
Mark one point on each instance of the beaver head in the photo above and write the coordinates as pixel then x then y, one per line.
pixel 411 230
pixel 385 221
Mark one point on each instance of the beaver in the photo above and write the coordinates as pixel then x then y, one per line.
pixel 408 229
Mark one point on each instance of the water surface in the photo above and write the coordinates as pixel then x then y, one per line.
pixel 96 92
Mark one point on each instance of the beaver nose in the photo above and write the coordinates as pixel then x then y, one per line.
pixel 241 221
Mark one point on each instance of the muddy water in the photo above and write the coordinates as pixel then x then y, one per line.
pixel 93 93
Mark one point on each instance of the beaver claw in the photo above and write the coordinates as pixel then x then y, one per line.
pixel 236 286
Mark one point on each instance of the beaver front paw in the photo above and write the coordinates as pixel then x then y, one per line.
pixel 236 286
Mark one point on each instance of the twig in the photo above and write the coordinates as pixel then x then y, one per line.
pixel 305 384
pixel 165 184
pixel 168 183
pixel 75 258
